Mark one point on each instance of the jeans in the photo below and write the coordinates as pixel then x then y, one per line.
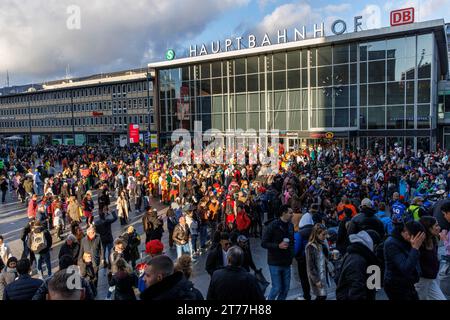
pixel 4 195
pixel 44 258
pixel 203 230
pixel 194 243
pixel 281 279
pixel 429 289
pixel 107 249
pixel 183 248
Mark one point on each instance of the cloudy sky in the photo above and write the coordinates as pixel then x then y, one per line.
pixel 40 38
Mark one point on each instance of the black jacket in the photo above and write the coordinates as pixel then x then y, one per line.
pixel 429 262
pixel 401 262
pixel 352 284
pixel 103 228
pixel 23 288
pixel 366 220
pixel 342 241
pixel 72 251
pixel 234 283
pixel 275 232
pixel 214 261
pixel 124 283
pixel 173 287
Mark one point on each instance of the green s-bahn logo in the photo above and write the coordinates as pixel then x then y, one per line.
pixel 170 54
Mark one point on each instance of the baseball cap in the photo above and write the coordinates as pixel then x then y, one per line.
pixel 154 247
pixel 366 203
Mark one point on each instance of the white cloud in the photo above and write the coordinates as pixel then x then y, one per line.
pixel 287 16
pixel 36 44
pixel 371 16
pixel 336 8
pixel 290 15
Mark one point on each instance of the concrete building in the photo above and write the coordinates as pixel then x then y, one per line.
pixel 93 109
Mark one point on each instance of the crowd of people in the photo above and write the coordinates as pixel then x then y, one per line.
pixel 342 216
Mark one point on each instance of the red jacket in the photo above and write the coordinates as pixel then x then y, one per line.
pixel 32 208
pixel 242 221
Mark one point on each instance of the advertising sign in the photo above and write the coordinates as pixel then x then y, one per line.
pixel 123 140
pixel 402 16
pixel 153 140
pixel 133 133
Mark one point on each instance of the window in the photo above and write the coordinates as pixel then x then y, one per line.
pixel 376 118
pixel 376 94
pixel 395 117
pixel 377 71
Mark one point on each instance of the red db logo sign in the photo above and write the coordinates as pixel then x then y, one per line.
pixel 402 16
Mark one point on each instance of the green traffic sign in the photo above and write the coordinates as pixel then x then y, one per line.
pixel 170 54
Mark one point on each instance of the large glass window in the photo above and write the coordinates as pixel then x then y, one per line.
pixel 340 54
pixel 376 71
pixel 376 50
pixel 279 80
pixel 341 117
pixel 395 117
pixel 340 76
pixel 423 116
pixel 293 79
pixel 423 91
pixel 376 94
pixel 376 118
pixel 293 60
pixel 324 56
pixel 396 92
pixel 279 61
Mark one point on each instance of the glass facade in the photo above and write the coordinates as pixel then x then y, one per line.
pixel 382 88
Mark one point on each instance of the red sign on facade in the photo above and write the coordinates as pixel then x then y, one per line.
pixel 402 16
pixel 133 133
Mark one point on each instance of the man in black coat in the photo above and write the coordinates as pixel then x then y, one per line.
pixel 401 255
pixel 103 229
pixel 366 220
pixel 352 284
pixel 25 286
pixel 92 244
pixel 71 248
pixel 233 282
pixel 163 283
pixel 278 239
pixel 217 257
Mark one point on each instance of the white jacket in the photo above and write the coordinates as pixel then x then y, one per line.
pixel 5 253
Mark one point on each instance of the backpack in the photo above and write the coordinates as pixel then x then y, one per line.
pixel 38 242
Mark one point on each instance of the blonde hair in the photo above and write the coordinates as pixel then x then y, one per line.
pixel 316 231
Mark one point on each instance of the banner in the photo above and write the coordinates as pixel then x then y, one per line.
pixel 153 140
pixel 133 133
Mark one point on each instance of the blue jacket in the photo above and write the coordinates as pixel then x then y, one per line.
pixel 402 263
pixel 301 238
pixel 387 222
pixel 23 288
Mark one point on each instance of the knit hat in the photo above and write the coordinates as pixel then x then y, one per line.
pixel 362 237
pixel 154 247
